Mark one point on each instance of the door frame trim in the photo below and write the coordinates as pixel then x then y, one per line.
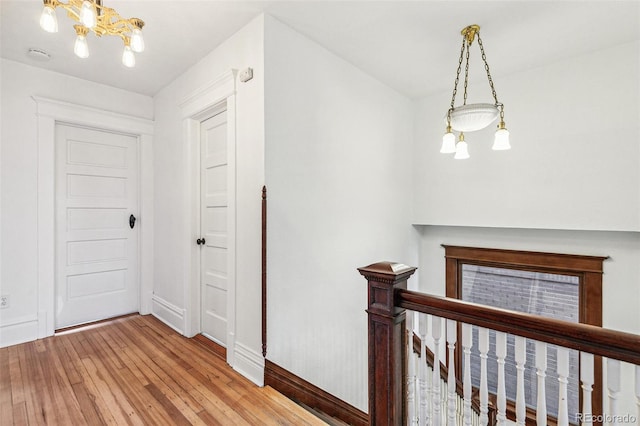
pixel 197 107
pixel 48 113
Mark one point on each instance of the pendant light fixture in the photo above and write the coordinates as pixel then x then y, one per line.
pixel 91 15
pixel 472 117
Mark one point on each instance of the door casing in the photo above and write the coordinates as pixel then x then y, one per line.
pixel 49 112
pixel 202 104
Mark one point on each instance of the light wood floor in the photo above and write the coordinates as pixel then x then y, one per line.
pixel 132 370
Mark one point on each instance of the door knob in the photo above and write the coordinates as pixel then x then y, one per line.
pixel 200 241
pixel 132 221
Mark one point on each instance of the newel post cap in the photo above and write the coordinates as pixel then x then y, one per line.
pixel 387 271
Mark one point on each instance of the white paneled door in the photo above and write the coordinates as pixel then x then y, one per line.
pixel 214 229
pixel 96 246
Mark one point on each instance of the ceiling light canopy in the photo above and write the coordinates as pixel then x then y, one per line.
pixel 472 117
pixel 92 16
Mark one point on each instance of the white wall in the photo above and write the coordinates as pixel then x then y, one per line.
pixel 244 49
pixel 575 161
pixel 338 149
pixel 19 194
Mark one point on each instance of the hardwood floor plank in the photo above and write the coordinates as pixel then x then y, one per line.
pixel 176 415
pixel 149 412
pixel 89 409
pixel 208 419
pixel 65 401
pixel 288 405
pixel 6 380
pixel 88 381
pixel 112 394
pixel 34 415
pixel 132 371
pixel 15 377
pixel 167 379
pixel 20 416
pixel 6 413
pixel 54 385
pixel 42 393
pixel 70 367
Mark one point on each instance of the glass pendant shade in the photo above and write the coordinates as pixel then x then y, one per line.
pixel 501 141
pixel 137 42
pixel 448 143
pixel 88 14
pixel 472 117
pixel 462 151
pixel 128 57
pixel 48 20
pixel 81 48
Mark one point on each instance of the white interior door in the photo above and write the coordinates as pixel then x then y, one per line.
pixel 214 208
pixel 96 249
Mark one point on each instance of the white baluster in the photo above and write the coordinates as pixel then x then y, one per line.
pixel 411 372
pixel 521 359
pixel 613 385
pixel 586 377
pixel 424 382
pixel 638 388
pixel 459 410
pixel 436 332
pixel 563 374
pixel 483 345
pixel 501 354
pixel 452 332
pixel 467 343
pixel 541 372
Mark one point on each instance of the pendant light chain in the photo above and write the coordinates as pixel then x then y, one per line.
pixel 466 70
pixel 486 67
pixel 455 85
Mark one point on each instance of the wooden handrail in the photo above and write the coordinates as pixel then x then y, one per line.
pixel 587 338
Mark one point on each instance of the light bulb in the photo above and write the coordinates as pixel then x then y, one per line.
pixel 501 140
pixel 48 20
pixel 462 150
pixel 448 142
pixel 128 57
pixel 88 15
pixel 81 48
pixel 137 42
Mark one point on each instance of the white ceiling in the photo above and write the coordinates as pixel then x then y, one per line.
pixel 412 46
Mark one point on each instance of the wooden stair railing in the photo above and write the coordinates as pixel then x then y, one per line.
pixel 388 299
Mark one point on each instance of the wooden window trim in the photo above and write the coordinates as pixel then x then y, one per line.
pixel 588 269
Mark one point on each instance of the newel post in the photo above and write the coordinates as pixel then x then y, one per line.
pixel 387 340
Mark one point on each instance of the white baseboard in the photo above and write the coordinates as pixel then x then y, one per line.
pixel 168 313
pixel 19 330
pixel 249 363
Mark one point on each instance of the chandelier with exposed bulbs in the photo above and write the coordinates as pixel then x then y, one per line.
pixel 92 16
pixel 472 117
